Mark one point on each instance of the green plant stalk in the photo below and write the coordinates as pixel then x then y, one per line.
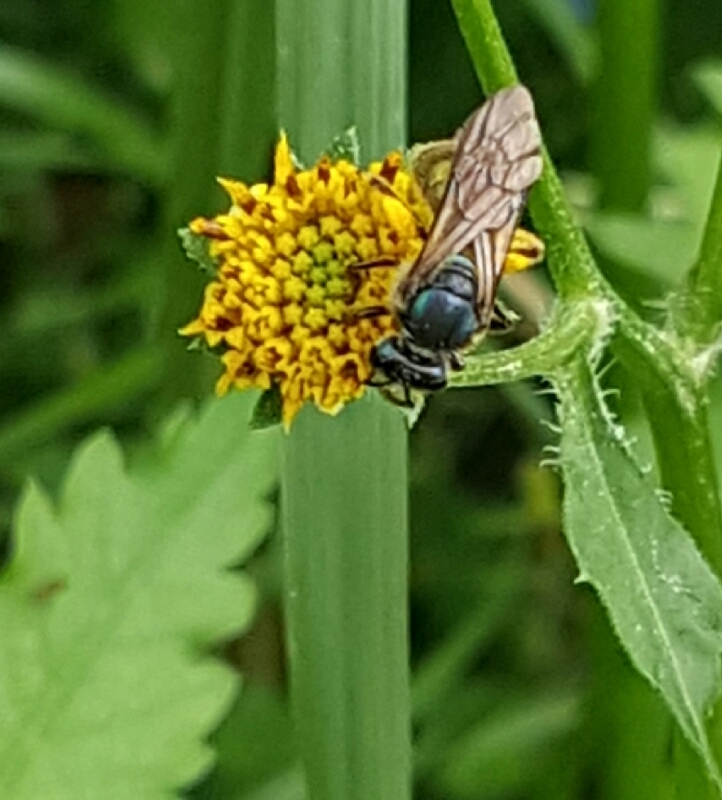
pixel 623 119
pixel 694 492
pixel 344 480
pixel 570 262
pixel 646 351
pixel 567 334
pixel 695 502
pixel 344 512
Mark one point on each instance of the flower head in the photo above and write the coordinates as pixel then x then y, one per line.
pixel 288 306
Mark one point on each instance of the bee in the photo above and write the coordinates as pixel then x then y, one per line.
pixel 447 296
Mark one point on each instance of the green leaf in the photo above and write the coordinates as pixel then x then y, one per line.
pixel 197 248
pixel 268 410
pixel 664 601
pixel 111 603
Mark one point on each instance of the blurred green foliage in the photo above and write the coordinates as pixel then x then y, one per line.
pixel 508 655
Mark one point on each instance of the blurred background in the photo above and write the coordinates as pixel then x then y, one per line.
pixel 108 131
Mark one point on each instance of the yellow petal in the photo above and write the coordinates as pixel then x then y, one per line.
pixel 525 251
pixel 283 166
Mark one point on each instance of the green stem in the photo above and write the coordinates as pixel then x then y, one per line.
pixel 570 261
pixel 621 133
pixel 344 481
pixel 485 43
pixel 675 395
pixel 646 351
pixel 344 511
pixel 569 333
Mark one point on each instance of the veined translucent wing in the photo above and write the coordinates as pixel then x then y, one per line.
pixel 497 160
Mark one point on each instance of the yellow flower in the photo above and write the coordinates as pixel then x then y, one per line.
pixel 285 307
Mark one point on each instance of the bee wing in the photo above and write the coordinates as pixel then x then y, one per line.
pixel 490 249
pixel 497 160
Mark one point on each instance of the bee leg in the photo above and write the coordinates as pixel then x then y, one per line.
pixel 408 402
pixel 456 360
pixel 503 319
pixel 353 271
pixel 384 262
pixel 371 312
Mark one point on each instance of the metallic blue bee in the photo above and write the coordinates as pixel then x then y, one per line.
pixel 447 295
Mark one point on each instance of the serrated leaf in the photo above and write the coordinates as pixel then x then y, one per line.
pixel 268 410
pixel 197 248
pixel 112 602
pixel 346 145
pixel 664 601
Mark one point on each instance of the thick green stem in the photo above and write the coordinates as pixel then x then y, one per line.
pixel 342 63
pixel 344 482
pixel 344 509
pixel 625 101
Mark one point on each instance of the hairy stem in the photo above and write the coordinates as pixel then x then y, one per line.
pixel 570 261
